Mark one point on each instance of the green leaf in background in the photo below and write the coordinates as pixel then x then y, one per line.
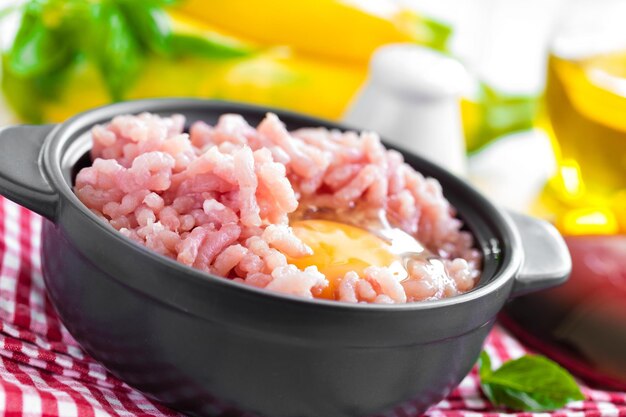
pixel 116 36
pixel 530 383
pixel 437 34
pixel 186 45
pixel 38 47
pixel 116 50
pixel 150 23
pixel 426 31
pixel 36 65
pixel 497 114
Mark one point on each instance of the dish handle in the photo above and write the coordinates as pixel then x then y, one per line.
pixel 547 262
pixel 22 178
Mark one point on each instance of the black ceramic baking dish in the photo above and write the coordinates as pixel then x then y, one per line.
pixel 209 346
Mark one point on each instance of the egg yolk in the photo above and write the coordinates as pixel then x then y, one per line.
pixel 339 248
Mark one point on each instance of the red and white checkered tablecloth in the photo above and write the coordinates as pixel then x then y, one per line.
pixel 43 371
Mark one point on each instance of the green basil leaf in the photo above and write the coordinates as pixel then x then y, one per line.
pixel 205 47
pixel 500 114
pixel 530 383
pixel 116 50
pixel 437 34
pixel 428 32
pixel 37 48
pixel 150 23
pixel 484 365
pixel 514 400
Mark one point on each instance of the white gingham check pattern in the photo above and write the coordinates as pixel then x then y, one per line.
pixel 44 373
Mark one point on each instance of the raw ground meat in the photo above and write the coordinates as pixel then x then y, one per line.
pixel 220 199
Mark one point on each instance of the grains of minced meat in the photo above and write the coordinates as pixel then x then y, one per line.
pixel 219 198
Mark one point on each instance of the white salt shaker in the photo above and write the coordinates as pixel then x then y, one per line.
pixel 412 99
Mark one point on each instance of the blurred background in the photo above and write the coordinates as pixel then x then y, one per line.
pixel 256 58
pixel 527 99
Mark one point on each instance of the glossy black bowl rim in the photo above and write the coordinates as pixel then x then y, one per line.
pixel 53 152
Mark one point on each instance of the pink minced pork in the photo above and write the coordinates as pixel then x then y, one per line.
pixel 220 198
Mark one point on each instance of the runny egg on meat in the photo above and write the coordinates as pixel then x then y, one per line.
pixel 339 248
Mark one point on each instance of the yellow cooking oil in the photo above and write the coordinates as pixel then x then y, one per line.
pixel 585 109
